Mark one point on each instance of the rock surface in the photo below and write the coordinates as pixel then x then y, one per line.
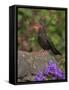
pixel 30 63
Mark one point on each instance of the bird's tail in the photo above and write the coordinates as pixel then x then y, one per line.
pixel 55 51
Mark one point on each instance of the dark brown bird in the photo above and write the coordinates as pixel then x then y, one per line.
pixel 43 39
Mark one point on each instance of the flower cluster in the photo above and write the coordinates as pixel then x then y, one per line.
pixel 39 76
pixel 51 70
pixel 54 70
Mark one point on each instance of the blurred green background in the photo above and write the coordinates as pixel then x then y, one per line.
pixel 55 25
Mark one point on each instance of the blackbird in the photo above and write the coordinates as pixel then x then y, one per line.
pixel 44 41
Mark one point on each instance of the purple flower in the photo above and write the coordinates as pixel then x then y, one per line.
pixel 51 69
pixel 54 70
pixel 39 76
pixel 60 74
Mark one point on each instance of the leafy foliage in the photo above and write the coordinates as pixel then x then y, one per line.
pixel 55 26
